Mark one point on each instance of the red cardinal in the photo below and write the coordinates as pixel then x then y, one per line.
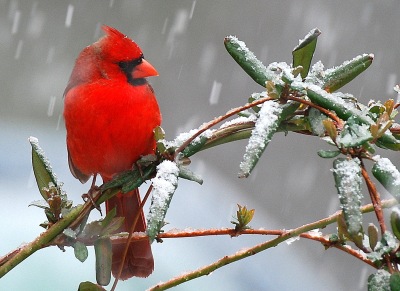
pixel 110 113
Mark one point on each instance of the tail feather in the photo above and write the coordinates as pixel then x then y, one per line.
pixel 139 260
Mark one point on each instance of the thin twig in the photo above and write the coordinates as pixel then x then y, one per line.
pixel 283 235
pixel 216 120
pixel 129 239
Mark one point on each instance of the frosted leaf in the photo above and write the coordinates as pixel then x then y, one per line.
pixel 164 185
pixel 348 182
pixel 348 108
pixel 386 166
pixel 238 120
pixel 35 144
pixel 250 57
pixel 380 281
pixel 355 59
pixel 184 136
pixel 265 127
pixel 316 117
pixel 316 74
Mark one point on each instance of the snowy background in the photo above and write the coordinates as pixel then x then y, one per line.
pixel 39 41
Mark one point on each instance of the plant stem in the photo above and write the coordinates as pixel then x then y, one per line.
pixel 41 241
pixel 283 235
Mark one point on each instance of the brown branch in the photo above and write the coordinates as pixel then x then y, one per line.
pixel 325 111
pixel 216 120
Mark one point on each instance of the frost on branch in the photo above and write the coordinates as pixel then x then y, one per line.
pixel 266 125
pixel 347 173
pixel 164 185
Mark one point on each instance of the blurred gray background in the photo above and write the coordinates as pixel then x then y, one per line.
pixel 39 41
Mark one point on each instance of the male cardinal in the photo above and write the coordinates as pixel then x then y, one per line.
pixel 110 113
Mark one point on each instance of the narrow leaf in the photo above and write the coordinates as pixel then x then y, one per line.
pixel 270 116
pixel 41 168
pixel 337 77
pixel 103 252
pixel 373 235
pixel 348 181
pixel 187 174
pixel 247 60
pixel 395 222
pixel 328 154
pixel 164 186
pixel 388 175
pixel 304 51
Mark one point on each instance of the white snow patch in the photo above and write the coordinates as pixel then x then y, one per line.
pixel 215 93
pixel 70 13
pixel 385 165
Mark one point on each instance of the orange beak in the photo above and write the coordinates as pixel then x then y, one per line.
pixel 143 70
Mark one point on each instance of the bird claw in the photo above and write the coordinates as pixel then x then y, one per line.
pixel 91 193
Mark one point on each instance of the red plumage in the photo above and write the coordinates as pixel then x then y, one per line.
pixel 110 114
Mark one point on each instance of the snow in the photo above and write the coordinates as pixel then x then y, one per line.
pixel 215 93
pixel 292 240
pixel 192 9
pixel 308 35
pixel 16 20
pixel 349 191
pixel 238 120
pixel 260 136
pixel 70 13
pixel 184 136
pixel 355 59
pixel 316 74
pixel 386 166
pixel 19 49
pixel 336 99
pixel 249 55
pixel 52 102
pixel 164 185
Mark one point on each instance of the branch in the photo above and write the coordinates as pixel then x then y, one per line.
pixel 41 241
pixel 216 120
pixel 283 235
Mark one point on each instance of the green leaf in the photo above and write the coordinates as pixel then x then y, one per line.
pixel 373 235
pixel 164 185
pixel 353 134
pixel 347 174
pixel 395 222
pixel 316 119
pixel 89 286
pixel 243 216
pixel 103 252
pixel 304 51
pixel 337 77
pixel 187 174
pixel 41 168
pixel 395 282
pixel 379 281
pixel 328 154
pixel 80 251
pixel 248 61
pixel 388 175
pixel 270 116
